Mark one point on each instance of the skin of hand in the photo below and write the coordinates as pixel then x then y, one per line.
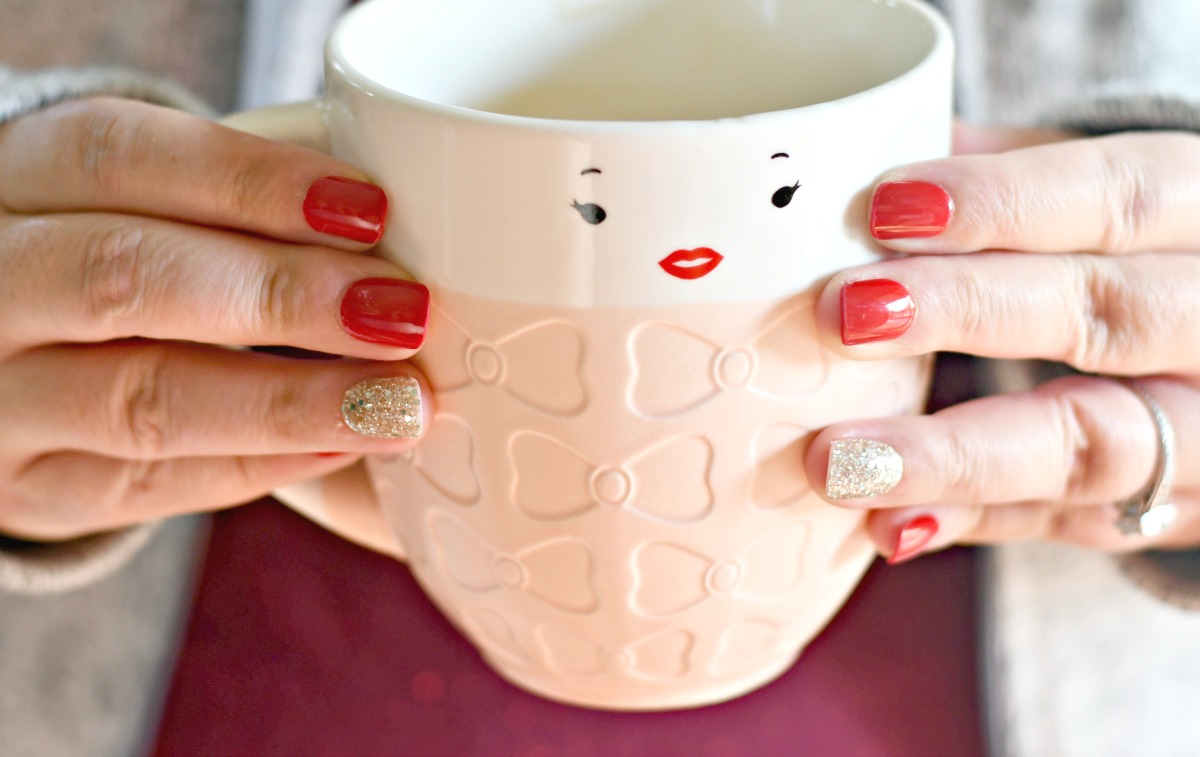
pixel 1030 244
pixel 139 247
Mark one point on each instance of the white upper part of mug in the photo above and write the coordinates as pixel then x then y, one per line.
pixel 635 152
pixel 635 60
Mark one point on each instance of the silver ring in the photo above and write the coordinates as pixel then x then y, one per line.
pixel 1147 513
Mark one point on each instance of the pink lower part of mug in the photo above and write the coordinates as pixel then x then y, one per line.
pixel 610 502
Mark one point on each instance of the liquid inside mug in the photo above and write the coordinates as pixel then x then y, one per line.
pixel 624 210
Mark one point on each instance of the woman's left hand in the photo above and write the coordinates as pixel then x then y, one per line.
pixel 1085 252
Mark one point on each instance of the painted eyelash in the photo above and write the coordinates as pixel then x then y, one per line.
pixel 592 213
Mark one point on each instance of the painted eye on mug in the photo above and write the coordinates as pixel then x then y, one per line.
pixel 783 195
pixel 592 213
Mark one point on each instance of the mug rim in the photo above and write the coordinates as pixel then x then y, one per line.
pixel 338 65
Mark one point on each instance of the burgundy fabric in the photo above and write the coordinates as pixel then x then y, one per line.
pixel 302 644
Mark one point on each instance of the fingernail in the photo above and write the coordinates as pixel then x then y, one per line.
pixel 861 468
pixel 384 408
pixel 394 312
pixel 910 209
pixel 875 310
pixel 346 208
pixel 913 537
pixel 330 454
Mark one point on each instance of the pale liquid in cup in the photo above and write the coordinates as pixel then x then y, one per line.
pixel 648 60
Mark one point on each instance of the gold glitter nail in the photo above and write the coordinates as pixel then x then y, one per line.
pixel 862 468
pixel 387 408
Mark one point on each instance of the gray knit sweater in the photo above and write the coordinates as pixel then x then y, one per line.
pixel 1056 615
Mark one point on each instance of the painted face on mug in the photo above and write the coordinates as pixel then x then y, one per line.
pixel 685 264
pixel 654 223
pixel 663 218
pixel 690 223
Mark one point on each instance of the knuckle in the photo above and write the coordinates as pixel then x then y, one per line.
pixel 968 481
pixel 1087 458
pixel 245 188
pixel 245 475
pixel 111 142
pixel 113 271
pixel 280 300
pixel 1055 523
pixel 139 486
pixel 141 406
pixel 139 479
pixel 971 307
pixel 284 413
pixel 1104 330
pixel 1132 203
pixel 1005 217
pixel 109 499
pixel 133 491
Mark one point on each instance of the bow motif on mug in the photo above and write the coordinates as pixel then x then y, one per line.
pixel 445 458
pixel 777 477
pixel 676 370
pixel 660 655
pixel 668 481
pixel 669 578
pixel 748 641
pixel 557 571
pixel 494 632
pixel 539 365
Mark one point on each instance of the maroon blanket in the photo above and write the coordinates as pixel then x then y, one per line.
pixel 302 644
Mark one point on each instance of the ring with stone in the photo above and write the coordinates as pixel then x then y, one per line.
pixel 1147 513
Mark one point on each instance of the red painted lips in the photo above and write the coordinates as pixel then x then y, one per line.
pixel 691 264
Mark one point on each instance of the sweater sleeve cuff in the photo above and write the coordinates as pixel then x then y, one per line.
pixel 49 568
pixel 36 568
pixel 1173 577
pixel 23 92
pixel 1112 111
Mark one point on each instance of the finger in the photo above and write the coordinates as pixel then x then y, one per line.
pixel 66 495
pixel 970 139
pixel 1074 441
pixel 108 154
pixel 153 401
pixel 1122 315
pixel 94 277
pixel 1123 193
pixel 903 534
pixel 345 503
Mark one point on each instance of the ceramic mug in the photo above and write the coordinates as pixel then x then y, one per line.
pixel 624 210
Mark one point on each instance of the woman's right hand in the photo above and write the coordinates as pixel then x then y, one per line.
pixel 137 244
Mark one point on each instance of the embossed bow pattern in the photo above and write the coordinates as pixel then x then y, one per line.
pixel 557 572
pixel 669 481
pixel 539 365
pixel 669 578
pixel 748 641
pixel 445 458
pixel 676 370
pixel 660 655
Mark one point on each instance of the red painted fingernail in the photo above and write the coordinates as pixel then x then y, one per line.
pixel 913 537
pixel 346 208
pixel 330 454
pixel 387 311
pixel 875 310
pixel 910 209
